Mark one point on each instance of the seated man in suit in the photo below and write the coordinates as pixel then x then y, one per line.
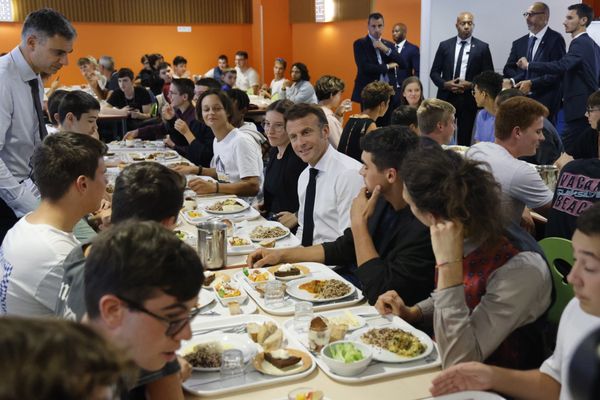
pixel 580 69
pixel 386 247
pixel 410 55
pixel 540 44
pixel 457 61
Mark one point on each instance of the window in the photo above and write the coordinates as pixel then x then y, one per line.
pixel 6 10
pixel 324 10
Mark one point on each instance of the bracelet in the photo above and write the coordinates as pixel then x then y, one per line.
pixel 217 189
pixel 448 262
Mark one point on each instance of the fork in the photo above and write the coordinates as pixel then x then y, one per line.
pixel 227 329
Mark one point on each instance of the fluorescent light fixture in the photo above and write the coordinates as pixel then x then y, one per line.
pixel 324 10
pixel 6 14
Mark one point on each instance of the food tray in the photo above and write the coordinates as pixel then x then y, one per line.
pixel 318 271
pixel 209 384
pixel 244 229
pixel 148 145
pixel 248 214
pixel 375 370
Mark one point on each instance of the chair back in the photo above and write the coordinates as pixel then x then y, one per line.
pixel 558 251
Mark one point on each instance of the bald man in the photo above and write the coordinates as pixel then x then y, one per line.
pixel 409 53
pixel 457 61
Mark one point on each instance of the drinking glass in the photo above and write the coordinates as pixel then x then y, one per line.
pixel 232 366
pixel 303 314
pixel 274 292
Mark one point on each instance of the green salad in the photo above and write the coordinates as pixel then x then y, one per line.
pixel 345 352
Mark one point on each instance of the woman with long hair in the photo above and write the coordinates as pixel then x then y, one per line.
pixel 299 89
pixel 489 293
pixel 412 92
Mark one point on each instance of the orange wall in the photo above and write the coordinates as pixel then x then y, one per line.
pixel 127 43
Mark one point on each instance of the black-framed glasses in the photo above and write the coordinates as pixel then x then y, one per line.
pixel 277 126
pixel 590 110
pixel 174 326
pixel 531 14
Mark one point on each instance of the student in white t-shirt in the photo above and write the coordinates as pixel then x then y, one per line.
pixel 70 174
pixel 236 166
pixel 580 317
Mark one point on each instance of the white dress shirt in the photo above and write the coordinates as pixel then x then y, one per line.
pixel 400 46
pixel 338 183
pixel 465 56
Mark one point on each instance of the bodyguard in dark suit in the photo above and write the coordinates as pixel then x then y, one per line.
pixel 541 44
pixel 409 54
pixel 457 61
pixel 375 58
pixel 580 69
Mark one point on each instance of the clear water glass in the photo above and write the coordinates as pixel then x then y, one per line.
pixel 303 314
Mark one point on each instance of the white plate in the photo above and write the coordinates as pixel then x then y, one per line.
pixel 304 272
pixel 261 270
pixel 242 249
pixel 380 354
pixel 225 300
pixel 469 395
pixel 269 224
pixel 244 206
pixel 189 217
pixel 293 289
pixel 240 341
pixel 205 298
pixel 361 321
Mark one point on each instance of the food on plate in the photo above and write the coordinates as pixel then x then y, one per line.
pixel 110 154
pixel 281 358
pixel 122 165
pixel 267 232
pixel 338 332
pixel 346 318
pixel 256 275
pixel 305 394
pixel 239 241
pixel 318 333
pixel 268 335
pixel 137 157
pixel 345 352
pixel 211 278
pixel 234 308
pixel 110 188
pixel 226 290
pixel 189 205
pixel 226 205
pixel 394 340
pixel 286 270
pixel 327 288
pixel 180 163
pixel 268 243
pixel 181 235
pixel 205 355
pixel 194 214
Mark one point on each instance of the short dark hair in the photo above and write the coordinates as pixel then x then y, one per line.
pixel 303 71
pixel 518 111
pixel 152 59
pixel 375 15
pixel 78 357
pixel 375 93
pixel 163 65
pixel 54 102
pixel 185 86
pixel 489 82
pixel 240 98
pixel 389 146
pixel 210 83
pixel 328 86
pixel 592 101
pixel 63 157
pixel 280 106
pixel 507 94
pixel 224 57
pixel 138 259
pixel 589 221
pixel 301 110
pixel 404 115
pixel 583 11
pixel 77 102
pixel 242 53
pixel 147 191
pixel 125 73
pixel 46 23
pixel 225 101
pixel 179 60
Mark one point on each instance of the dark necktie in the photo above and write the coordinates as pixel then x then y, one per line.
pixel 459 59
pixel 530 45
pixel 309 207
pixel 35 93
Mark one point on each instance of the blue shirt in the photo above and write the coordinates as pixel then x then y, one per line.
pixel 484 126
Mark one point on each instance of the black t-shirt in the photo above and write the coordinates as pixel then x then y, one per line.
pixel 141 97
pixel 585 144
pixel 281 181
pixel 350 139
pixel 577 189
pixel 113 82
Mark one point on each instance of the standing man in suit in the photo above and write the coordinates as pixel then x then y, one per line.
pixel 580 69
pixel 411 57
pixel 457 61
pixel 540 44
pixel 376 59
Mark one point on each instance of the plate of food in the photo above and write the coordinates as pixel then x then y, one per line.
pixel 353 322
pixel 395 345
pixel 228 292
pixel 268 335
pixel 320 290
pixel 268 232
pixel 194 216
pixel 227 206
pixel 257 275
pixel 214 278
pixel 237 245
pixel 282 362
pixel 203 352
pixel 288 272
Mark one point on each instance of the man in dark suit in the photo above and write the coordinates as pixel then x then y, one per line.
pixel 541 44
pixel 375 57
pixel 580 69
pixel 409 54
pixel 457 61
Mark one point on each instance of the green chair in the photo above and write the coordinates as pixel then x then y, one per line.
pixel 558 249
